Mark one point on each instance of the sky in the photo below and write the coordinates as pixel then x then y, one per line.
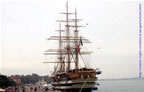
pixel 112 26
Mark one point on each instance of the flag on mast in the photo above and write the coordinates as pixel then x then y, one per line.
pixel 78 48
pixel 81 41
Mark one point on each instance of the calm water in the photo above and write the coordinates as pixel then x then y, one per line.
pixel 133 85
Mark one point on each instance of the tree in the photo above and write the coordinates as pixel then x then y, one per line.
pixel 5 82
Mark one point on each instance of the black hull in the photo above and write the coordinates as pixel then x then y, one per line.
pixel 80 90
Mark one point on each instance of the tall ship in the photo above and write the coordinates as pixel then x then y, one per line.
pixel 68 76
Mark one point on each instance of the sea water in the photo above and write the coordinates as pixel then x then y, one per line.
pixel 125 85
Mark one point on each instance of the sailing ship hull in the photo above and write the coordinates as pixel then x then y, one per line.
pixel 79 89
pixel 81 80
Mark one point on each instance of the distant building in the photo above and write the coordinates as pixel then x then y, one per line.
pixel 16 79
pixel 41 82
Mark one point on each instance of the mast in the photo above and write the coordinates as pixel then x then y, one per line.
pixel 60 49
pixel 76 42
pixel 67 35
pixel 68 54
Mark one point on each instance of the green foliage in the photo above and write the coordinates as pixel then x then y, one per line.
pixel 47 79
pixel 5 82
pixel 27 79
pixel 32 79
